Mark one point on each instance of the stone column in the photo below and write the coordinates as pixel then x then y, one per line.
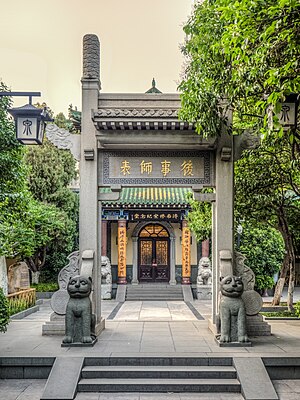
pixel 223 211
pixel 134 261
pixel 172 261
pixel 205 248
pixel 122 252
pixel 186 253
pixel 90 210
pixel 104 238
pixel 3 275
pixel 215 270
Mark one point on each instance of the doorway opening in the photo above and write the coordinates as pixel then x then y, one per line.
pixel 154 254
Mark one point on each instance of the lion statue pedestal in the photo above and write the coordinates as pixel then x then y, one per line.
pixel 106 279
pixel 204 279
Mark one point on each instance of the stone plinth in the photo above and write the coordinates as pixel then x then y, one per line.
pixel 106 289
pixel 204 292
pixel 256 326
pixel 56 326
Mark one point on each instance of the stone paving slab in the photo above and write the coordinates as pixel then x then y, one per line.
pixel 26 389
pixel 185 338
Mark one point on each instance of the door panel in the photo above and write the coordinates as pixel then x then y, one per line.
pixel 146 257
pixel 162 256
pixel 154 260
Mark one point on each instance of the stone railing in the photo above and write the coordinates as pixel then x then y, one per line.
pixel 21 300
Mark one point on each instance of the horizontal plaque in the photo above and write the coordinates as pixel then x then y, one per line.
pixel 157 168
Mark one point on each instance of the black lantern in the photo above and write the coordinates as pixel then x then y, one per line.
pixel 30 123
pixel 287 115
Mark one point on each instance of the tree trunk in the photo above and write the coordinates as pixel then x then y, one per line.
pixel 290 297
pixel 288 262
pixel 281 281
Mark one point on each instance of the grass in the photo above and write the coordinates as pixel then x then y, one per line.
pixel 282 314
pixel 45 287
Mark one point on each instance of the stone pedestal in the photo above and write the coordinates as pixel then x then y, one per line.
pixel 256 326
pixel 204 292
pixel 106 289
pixel 56 326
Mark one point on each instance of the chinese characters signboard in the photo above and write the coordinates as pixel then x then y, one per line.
pixel 157 168
pixel 186 252
pixel 121 251
pixel 154 215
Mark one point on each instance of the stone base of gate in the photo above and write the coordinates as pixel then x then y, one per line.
pixel 56 326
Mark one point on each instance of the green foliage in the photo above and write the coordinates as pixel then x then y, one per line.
pixel 4 312
pixel 18 304
pixel 199 217
pixel 282 314
pixel 246 52
pixel 297 309
pixel 45 287
pixel 31 223
pixel 263 248
pixel 51 171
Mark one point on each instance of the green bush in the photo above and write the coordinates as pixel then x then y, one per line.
pixel 297 309
pixel 263 248
pixel 45 287
pixel 4 312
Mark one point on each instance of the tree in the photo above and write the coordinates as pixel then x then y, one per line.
pixel 264 250
pixel 51 171
pixel 246 52
pixel 200 218
pixel 244 55
pixel 265 186
pixel 27 225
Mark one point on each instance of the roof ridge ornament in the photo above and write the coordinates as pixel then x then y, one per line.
pixel 153 89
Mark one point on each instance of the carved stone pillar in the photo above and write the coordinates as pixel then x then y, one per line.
pixel 104 238
pixel 134 261
pixel 172 261
pixel 122 252
pixel 186 254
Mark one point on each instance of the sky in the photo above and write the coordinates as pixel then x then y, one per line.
pixel 41 46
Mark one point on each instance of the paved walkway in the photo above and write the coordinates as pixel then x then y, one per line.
pixel 145 328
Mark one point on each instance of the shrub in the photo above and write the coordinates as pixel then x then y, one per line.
pixel 297 309
pixel 45 287
pixel 264 249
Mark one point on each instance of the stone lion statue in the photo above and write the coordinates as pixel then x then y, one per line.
pixel 105 270
pixel 80 322
pixel 204 272
pixel 232 311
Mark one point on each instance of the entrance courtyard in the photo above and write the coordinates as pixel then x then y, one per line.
pixel 144 330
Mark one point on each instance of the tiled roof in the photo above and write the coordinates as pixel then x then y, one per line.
pixel 149 197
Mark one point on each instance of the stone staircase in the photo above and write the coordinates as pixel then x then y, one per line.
pixel 154 292
pixel 160 375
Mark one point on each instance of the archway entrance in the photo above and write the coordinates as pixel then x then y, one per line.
pixel 154 254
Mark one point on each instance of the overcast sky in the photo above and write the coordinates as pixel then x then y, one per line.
pixel 41 45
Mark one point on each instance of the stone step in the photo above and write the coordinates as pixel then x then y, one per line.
pixel 159 385
pixel 154 299
pixel 158 361
pixel 159 372
pixel 154 291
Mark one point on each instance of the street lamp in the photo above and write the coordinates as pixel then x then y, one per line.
pixel 287 115
pixel 30 121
